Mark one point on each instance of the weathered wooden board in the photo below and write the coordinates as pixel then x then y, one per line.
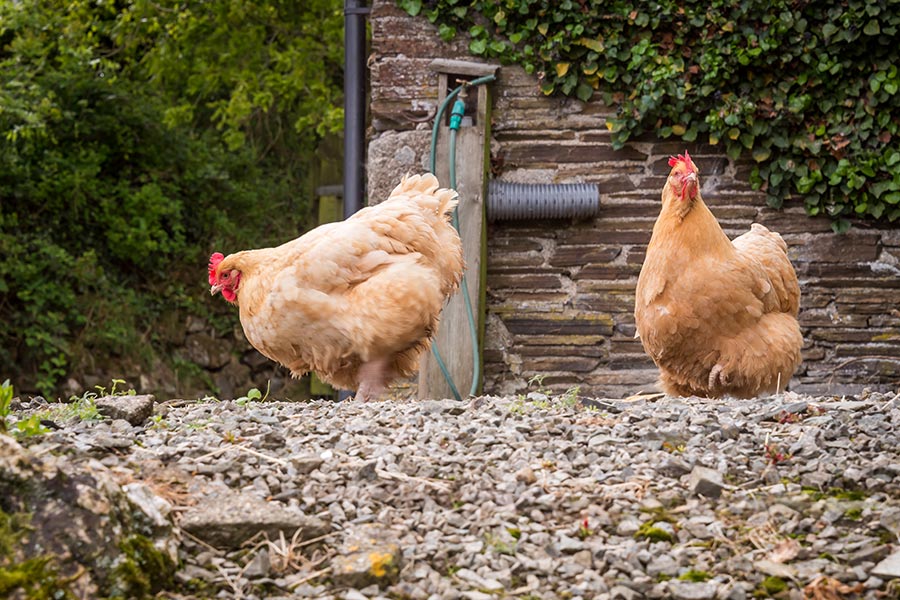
pixel 454 340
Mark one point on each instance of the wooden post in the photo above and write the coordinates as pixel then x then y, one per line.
pixel 454 340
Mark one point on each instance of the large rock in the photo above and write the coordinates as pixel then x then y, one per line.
pixel 71 531
pixel 370 555
pixel 228 519
pixel 134 409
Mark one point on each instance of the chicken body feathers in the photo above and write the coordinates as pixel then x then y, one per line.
pixel 367 288
pixel 718 317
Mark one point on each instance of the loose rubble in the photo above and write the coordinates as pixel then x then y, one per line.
pixel 529 497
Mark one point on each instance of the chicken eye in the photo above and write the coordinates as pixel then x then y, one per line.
pixel 225 275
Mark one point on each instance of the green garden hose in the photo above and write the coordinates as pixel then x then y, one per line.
pixel 456 115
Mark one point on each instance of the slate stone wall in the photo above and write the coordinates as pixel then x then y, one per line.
pixel 561 293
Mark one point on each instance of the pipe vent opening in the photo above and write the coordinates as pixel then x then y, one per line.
pixel 511 201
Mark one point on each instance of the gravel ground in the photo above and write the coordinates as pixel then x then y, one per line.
pixel 531 497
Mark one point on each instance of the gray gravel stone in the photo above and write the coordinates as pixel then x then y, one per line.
pixel 889 568
pixel 706 482
pixel 686 590
pixel 517 496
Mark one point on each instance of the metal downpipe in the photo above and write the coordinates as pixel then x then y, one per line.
pixel 355 12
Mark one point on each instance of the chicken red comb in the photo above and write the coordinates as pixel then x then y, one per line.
pixel 214 260
pixel 681 158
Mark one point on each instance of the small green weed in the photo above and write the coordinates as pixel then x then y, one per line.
pixel 253 394
pixel 568 399
pixel 113 391
pixel 651 532
pixel 836 493
pixel 695 576
pixel 500 546
pixel 853 514
pixel 769 587
pixel 158 422
pixel 584 530
pixel 654 534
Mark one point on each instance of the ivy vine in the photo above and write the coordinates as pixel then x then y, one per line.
pixel 809 90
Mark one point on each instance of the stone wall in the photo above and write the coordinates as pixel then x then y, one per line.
pixel 561 293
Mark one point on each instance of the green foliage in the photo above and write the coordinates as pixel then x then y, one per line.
pixel 84 407
pixel 136 138
pixel 545 399
pixel 143 569
pixel 37 577
pixel 23 427
pixel 810 91
pixel 6 396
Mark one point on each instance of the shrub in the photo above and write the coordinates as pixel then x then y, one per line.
pixel 122 165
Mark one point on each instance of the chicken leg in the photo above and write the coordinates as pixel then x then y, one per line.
pixel 372 376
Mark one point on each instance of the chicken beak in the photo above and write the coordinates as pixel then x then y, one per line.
pixel 690 186
pixel 215 289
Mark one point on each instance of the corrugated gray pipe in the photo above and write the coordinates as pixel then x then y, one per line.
pixel 509 201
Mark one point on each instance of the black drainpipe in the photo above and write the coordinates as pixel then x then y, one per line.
pixel 355 12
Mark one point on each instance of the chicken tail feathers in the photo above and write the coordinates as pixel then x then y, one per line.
pixel 426 192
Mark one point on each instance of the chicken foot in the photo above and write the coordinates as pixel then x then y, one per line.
pixel 372 376
pixel 715 374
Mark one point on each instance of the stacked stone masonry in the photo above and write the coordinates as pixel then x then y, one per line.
pixel 560 294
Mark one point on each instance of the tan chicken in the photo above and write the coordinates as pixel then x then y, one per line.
pixel 719 318
pixel 357 301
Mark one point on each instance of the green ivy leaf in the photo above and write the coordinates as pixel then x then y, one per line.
pixel 446 32
pixel 594 44
pixel 761 154
pixel 840 226
pixel 584 92
pixel 872 27
pixel 413 7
